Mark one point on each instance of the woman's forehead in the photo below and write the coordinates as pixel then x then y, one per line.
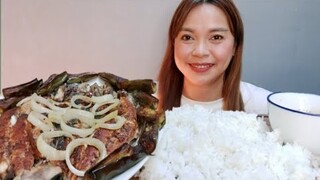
pixel 206 16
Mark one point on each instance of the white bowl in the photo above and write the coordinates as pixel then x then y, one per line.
pixel 297 116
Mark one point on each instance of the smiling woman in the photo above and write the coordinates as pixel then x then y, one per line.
pixel 204 59
pixel 203 50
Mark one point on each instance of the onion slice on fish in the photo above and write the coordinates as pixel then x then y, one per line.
pixel 82 132
pixel 82 98
pixel 48 151
pixel 113 126
pixel 24 100
pixel 55 117
pixel 79 142
pixel 39 120
pixel 107 117
pixel 100 99
pixel 96 108
pixel 43 101
pixel 82 115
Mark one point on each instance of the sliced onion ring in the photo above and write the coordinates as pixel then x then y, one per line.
pixel 38 120
pixel 44 101
pixel 84 141
pixel 113 126
pixel 82 115
pixel 114 103
pixel 76 131
pixel 24 100
pixel 100 99
pixel 63 105
pixel 82 98
pixel 107 117
pixel 48 151
pixel 55 117
pixel 39 108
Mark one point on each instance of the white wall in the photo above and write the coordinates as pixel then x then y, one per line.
pixel 42 37
pixel 127 37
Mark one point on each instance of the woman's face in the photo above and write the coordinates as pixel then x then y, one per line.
pixel 204 46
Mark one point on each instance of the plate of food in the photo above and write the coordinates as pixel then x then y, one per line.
pixel 87 126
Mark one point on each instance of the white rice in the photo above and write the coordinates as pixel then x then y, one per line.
pixel 197 144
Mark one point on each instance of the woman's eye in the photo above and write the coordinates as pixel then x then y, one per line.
pixel 217 37
pixel 186 37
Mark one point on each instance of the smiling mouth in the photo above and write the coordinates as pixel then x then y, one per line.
pixel 201 67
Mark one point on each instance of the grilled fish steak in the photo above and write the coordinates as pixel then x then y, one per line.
pixel 20 157
pixel 17 144
pixel 84 158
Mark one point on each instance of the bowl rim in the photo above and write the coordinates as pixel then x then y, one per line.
pixel 292 110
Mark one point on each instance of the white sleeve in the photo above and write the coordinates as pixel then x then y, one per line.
pixel 254 98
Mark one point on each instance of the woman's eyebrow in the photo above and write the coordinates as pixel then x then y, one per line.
pixel 211 30
pixel 219 30
pixel 187 29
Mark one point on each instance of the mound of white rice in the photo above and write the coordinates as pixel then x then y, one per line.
pixel 197 144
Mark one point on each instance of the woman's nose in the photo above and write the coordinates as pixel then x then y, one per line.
pixel 200 49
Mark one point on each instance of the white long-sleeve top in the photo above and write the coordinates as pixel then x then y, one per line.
pixel 254 99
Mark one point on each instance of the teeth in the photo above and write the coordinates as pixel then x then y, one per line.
pixel 200 66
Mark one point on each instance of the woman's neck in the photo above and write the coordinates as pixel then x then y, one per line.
pixel 203 93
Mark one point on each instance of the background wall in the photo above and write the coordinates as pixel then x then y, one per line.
pixel 282 44
pixel 125 37
pixel 42 37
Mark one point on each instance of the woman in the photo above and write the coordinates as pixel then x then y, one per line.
pixel 202 63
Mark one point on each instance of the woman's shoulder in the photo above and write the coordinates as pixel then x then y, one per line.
pixel 248 87
pixel 254 98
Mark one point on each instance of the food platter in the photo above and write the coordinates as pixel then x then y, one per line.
pixel 90 125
